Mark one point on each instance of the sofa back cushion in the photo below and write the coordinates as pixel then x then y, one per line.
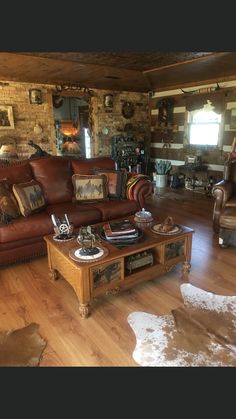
pixel 90 188
pixel 54 175
pixel 87 166
pixel 8 205
pixel 29 196
pixel 116 182
pixel 16 172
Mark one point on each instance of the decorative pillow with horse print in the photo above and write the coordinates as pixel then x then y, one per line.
pixel 90 188
pixel 8 205
pixel 29 196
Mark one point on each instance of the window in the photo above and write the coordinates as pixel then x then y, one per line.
pixel 87 143
pixel 204 126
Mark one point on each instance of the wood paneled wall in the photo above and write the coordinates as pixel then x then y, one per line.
pixel 171 145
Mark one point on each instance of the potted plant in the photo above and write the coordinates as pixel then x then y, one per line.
pixel 162 168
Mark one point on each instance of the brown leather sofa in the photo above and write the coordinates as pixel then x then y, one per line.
pixel 22 238
pixel 224 213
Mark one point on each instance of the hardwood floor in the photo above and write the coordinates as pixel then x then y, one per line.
pixel 105 338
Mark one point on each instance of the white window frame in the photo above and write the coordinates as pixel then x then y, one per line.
pixel 190 115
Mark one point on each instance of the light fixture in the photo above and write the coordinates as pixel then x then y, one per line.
pixel 68 128
pixel 35 96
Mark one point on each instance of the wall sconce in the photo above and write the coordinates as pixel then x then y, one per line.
pixel 108 101
pixel 35 96
pixel 38 129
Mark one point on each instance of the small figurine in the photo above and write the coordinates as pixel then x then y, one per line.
pixel 167 225
pixel 39 152
pixel 87 239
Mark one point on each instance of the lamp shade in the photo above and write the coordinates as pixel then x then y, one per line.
pixel 68 129
pixel 8 151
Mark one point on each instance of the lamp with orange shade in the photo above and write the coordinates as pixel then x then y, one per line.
pixel 68 129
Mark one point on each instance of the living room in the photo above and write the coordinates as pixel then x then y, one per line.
pixel 28 296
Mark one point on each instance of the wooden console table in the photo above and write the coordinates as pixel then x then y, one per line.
pixel 112 273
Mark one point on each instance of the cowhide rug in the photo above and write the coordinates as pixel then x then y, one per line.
pixel 21 347
pixel 201 333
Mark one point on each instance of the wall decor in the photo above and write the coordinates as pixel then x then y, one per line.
pixel 35 96
pixel 108 101
pixel 128 110
pixel 74 87
pixel 6 117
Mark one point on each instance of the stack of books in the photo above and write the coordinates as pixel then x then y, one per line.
pixel 120 230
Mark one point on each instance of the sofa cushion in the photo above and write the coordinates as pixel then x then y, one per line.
pixel 228 218
pixel 77 214
pixel 35 225
pixel 88 188
pixel 123 208
pixel 8 205
pixel 231 202
pixel 29 196
pixel 116 182
pixel 16 172
pixel 86 166
pixel 54 174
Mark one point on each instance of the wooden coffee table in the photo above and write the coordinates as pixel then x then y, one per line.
pixel 122 268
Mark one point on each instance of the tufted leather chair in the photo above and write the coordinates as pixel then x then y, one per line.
pixel 224 213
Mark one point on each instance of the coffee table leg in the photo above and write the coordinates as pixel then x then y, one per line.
pixel 53 274
pixel 84 310
pixel 186 267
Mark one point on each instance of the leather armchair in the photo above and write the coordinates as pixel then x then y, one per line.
pixel 224 212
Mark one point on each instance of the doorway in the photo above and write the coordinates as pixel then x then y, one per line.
pixel 71 119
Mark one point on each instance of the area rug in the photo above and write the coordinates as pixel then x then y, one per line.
pixel 22 347
pixel 202 332
pixel 173 196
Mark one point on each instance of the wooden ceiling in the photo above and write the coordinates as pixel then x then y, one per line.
pixel 128 71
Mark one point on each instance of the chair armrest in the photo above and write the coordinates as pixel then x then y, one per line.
pixel 140 191
pixel 222 192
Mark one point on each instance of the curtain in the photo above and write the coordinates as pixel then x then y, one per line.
pixel 197 101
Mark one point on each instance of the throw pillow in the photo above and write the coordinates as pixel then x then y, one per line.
pixel 8 205
pixel 116 182
pixel 90 187
pixel 29 196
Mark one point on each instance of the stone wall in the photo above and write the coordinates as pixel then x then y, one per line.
pixel 104 123
pixel 27 115
pixel 110 122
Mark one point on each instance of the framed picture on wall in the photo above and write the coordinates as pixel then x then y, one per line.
pixel 6 117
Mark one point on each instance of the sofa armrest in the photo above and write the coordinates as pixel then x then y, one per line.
pixel 222 192
pixel 140 191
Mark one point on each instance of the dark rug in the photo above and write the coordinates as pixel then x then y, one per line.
pixel 21 347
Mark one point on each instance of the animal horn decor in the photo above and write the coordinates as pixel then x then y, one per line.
pixel 202 90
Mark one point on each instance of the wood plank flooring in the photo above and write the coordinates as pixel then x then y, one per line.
pixel 106 339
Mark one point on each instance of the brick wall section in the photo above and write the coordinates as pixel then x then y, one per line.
pixel 26 115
